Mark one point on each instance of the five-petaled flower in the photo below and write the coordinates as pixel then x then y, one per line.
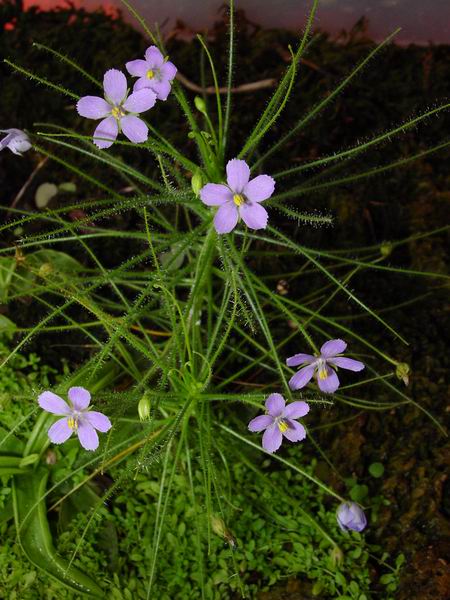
pixel 155 73
pixel 16 140
pixel 280 421
pixel 117 110
pixel 322 366
pixel 241 197
pixel 76 418
pixel 350 515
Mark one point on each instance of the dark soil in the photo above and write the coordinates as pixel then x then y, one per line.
pixel 400 83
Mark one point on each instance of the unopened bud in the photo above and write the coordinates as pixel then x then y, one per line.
pixel 200 104
pixel 402 371
pixel 283 287
pixel 386 249
pixel 50 457
pixel 144 407
pixel 337 556
pixel 317 588
pixel 19 256
pixel 197 182
pixel 219 528
pixel 45 270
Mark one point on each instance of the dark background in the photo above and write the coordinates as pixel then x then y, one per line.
pixel 403 81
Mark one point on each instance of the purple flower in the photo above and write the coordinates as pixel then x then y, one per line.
pixel 16 140
pixel 321 366
pixel 117 111
pixel 351 516
pixel 280 421
pixel 155 72
pixel 240 198
pixel 76 417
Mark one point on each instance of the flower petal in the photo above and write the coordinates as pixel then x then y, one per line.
pixel 140 101
pixel 60 431
pixel 93 107
pixel 275 404
pixel 106 132
pixel 272 439
pixel 80 397
pixel 12 130
pixel 137 68
pixel 19 144
pixel 302 377
pixel 238 174
pixel 351 516
pixel 260 423
pixel 226 218
pixel 333 347
pixel 168 71
pixel 254 215
pixel 98 420
pixel 134 128
pixel 115 85
pixel 260 188
pixel 347 363
pixel 154 57
pixel 343 515
pixel 215 194
pixel 357 524
pixel 87 435
pixel 161 88
pixel 54 404
pixel 295 410
pixel 6 140
pixel 330 383
pixel 295 432
pixel 300 359
pixel 141 84
pixel 16 140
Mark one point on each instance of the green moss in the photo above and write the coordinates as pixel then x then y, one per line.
pixel 262 540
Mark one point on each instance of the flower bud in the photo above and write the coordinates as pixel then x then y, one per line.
pixel 45 270
pixel 385 249
pixel 219 528
pixel 50 457
pixel 197 182
pixel 337 556
pixel 351 516
pixel 200 104
pixel 144 407
pixel 402 371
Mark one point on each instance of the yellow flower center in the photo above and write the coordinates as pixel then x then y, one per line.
pixel 117 112
pixel 72 423
pixel 238 199
pixel 150 74
pixel 283 426
pixel 323 373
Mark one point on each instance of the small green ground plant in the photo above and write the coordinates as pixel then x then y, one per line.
pixel 268 544
pixel 193 313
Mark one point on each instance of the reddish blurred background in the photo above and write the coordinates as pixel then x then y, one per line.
pixel 422 21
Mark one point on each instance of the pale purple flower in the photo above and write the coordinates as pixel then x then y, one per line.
pixel 117 110
pixel 155 73
pixel 322 367
pixel 76 418
pixel 16 140
pixel 241 197
pixel 350 515
pixel 280 421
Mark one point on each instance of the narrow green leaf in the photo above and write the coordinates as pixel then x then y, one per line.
pixel 35 538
